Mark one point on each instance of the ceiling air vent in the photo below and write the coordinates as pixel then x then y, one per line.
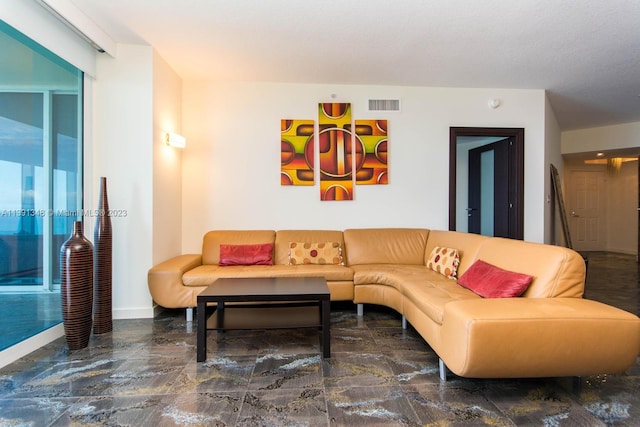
pixel 384 105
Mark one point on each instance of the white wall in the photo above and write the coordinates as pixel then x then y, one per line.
pixel 613 137
pixel 122 149
pixel 622 214
pixel 167 162
pixel 553 230
pixel 232 161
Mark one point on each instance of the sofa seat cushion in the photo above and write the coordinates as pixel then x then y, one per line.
pixel 395 275
pixel 428 290
pixel 204 275
pixel 432 296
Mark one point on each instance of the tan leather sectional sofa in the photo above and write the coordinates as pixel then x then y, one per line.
pixel 549 331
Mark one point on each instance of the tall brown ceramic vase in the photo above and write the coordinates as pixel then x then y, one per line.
pixel 76 288
pixel 102 310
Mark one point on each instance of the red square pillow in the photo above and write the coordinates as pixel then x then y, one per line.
pixel 489 281
pixel 257 254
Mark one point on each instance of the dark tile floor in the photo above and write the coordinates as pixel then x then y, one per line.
pixel 145 374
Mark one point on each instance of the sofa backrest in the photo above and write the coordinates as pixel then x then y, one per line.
pixel 385 245
pixel 557 271
pixel 213 239
pixel 284 237
pixel 466 244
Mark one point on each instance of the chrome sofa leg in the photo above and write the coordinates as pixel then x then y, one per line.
pixel 360 310
pixel 404 322
pixel 443 370
pixel 189 314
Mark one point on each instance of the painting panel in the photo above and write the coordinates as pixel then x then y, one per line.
pixel 372 149
pixel 335 151
pixel 296 152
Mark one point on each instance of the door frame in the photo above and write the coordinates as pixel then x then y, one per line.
pixel 516 173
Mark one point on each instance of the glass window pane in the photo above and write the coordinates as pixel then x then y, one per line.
pixel 21 144
pixel 65 171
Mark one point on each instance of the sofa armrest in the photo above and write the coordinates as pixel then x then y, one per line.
pixel 526 337
pixel 165 282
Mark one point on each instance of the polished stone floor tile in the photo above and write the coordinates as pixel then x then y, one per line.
pixel 535 401
pixel 109 410
pixel 217 373
pixel 234 343
pixel 349 340
pixel 284 407
pixel 370 406
pixel 70 379
pixel 414 367
pixel 286 371
pixel 215 408
pixel 358 370
pixel 615 399
pixel 289 341
pixel 32 411
pixel 458 403
pixel 394 339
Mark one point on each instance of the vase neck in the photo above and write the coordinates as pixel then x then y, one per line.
pixel 77 228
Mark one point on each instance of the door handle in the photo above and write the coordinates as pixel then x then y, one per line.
pixel 574 214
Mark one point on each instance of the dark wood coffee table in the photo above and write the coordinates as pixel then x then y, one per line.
pixel 264 303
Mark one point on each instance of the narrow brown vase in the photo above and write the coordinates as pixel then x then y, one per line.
pixel 76 287
pixel 102 310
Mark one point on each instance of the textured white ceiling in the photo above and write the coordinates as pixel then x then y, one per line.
pixel 585 53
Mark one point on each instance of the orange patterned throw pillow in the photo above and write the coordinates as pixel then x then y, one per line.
pixel 444 261
pixel 315 253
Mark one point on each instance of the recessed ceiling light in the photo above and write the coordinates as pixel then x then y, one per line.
pixel 600 154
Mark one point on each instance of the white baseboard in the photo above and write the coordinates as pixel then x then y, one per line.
pixel 133 313
pixel 33 343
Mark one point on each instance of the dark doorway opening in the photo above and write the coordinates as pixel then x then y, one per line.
pixel 506 176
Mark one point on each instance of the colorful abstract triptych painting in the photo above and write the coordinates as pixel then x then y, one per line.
pixel 343 146
pixel 371 152
pixel 296 152
pixel 335 151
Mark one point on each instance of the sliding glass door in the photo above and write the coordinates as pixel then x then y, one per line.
pixel 40 179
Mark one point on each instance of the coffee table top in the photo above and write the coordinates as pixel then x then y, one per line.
pixel 266 289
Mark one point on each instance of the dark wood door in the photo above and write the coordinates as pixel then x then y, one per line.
pixel 489 206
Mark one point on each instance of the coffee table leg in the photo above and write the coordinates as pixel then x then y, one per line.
pixel 326 334
pixel 201 349
pixel 220 316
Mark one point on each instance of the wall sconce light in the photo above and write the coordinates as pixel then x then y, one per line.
pixel 175 140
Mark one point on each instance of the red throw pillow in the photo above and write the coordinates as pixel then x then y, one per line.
pixel 489 281
pixel 257 254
